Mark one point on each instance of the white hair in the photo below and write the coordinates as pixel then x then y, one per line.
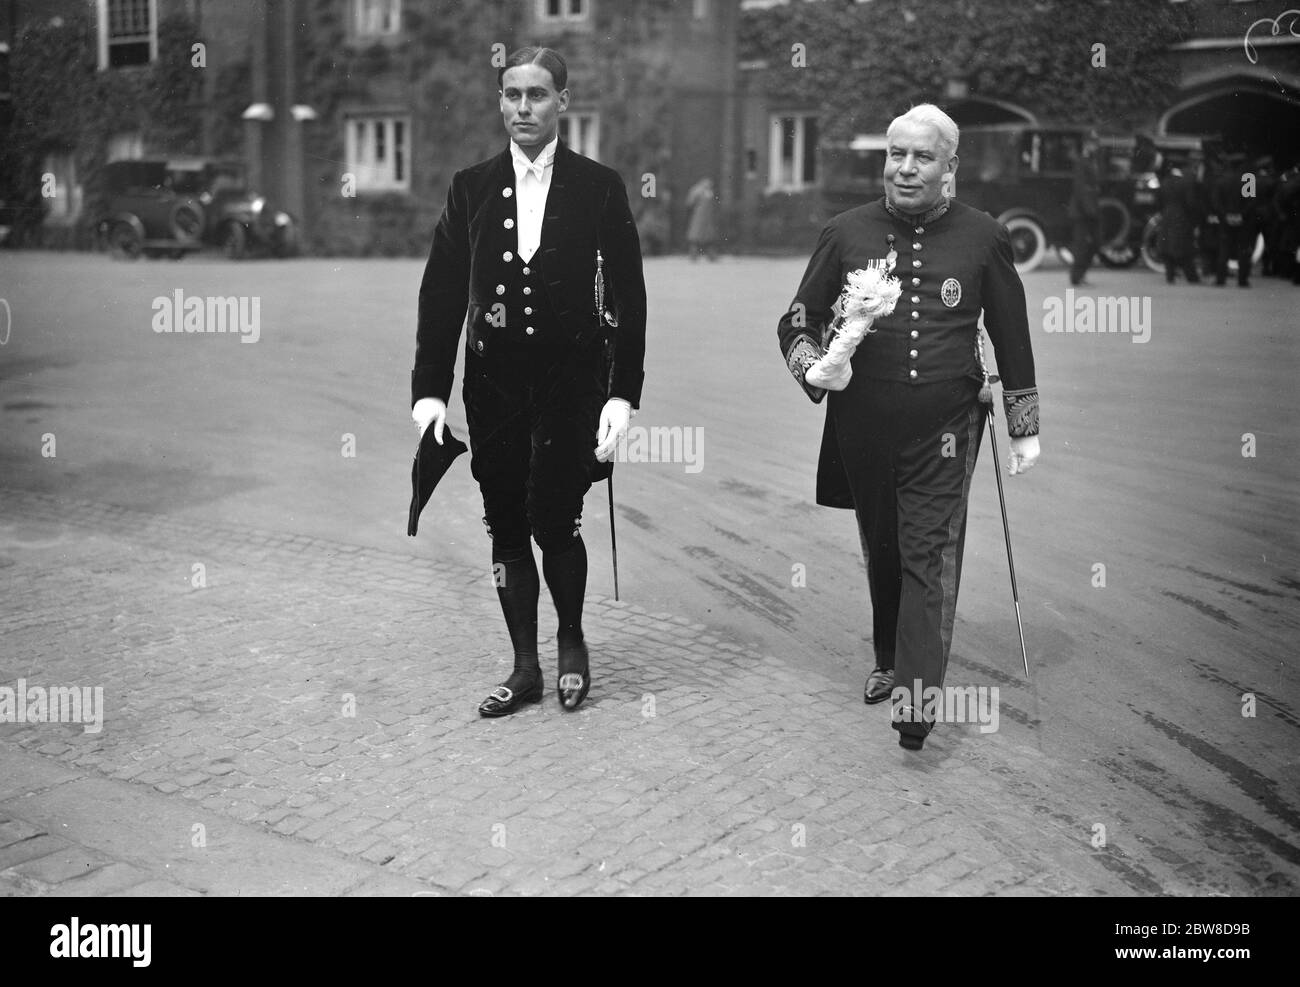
pixel 930 115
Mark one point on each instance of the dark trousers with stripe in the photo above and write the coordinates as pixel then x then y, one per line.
pixel 909 451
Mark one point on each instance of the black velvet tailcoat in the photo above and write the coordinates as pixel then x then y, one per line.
pixel 586 210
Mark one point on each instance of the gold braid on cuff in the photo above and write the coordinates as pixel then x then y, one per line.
pixel 803 354
pixel 1022 412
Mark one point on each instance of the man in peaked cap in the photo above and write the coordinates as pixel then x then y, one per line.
pixel 901 438
pixel 514 260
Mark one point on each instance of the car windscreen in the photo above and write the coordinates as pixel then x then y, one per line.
pixel 988 155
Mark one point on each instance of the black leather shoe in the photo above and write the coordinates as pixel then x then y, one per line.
pixel 502 701
pixel 572 685
pixel 880 683
pixel 912 730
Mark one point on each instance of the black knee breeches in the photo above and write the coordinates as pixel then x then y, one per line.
pixel 532 432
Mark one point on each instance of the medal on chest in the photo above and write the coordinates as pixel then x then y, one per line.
pixel 891 258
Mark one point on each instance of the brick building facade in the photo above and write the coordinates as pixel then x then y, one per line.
pixel 353 114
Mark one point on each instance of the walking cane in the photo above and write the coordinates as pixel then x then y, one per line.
pixel 605 316
pixel 986 396
pixel 613 541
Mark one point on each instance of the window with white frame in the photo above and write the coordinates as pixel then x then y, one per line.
pixel 125 145
pixel 378 152
pixel 128 32
pixel 376 17
pixel 581 131
pixel 554 11
pixel 792 157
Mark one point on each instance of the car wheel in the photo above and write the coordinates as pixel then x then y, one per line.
pixel 187 222
pixel 1028 242
pixel 1116 224
pixel 125 242
pixel 1118 255
pixel 1151 246
pixel 235 242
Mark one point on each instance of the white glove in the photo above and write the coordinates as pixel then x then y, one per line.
pixel 1024 453
pixel 833 377
pixel 430 410
pixel 614 419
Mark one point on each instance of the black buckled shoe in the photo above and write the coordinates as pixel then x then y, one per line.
pixel 880 684
pixel 575 675
pixel 502 701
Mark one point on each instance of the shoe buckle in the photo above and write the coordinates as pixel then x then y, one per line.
pixel 501 694
pixel 571 680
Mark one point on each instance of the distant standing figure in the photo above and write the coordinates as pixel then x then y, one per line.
pixel 1084 209
pixel 1237 222
pixel 1287 203
pixel 702 231
pixel 1179 216
pixel 1146 156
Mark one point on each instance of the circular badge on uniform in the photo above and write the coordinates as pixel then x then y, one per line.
pixel 951 292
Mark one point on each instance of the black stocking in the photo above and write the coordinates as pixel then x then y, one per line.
pixel 515 574
pixel 566 578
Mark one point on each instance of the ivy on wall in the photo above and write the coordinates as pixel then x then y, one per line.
pixel 867 62
pixel 63 103
pixel 440 71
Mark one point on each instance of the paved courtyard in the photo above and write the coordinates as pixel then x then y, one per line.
pixel 289 683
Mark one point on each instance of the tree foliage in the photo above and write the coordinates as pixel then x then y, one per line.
pixel 63 103
pixel 868 62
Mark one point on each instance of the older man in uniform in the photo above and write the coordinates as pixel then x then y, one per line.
pixel 518 246
pixel 902 433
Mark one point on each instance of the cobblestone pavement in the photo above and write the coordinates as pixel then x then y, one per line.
pixel 305 723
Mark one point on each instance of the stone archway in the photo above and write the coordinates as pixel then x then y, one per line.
pixel 1241 113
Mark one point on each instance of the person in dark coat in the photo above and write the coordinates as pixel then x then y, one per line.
pixel 902 434
pixel 1265 213
pixel 1237 222
pixel 1084 209
pixel 1286 200
pixel 1179 217
pixel 514 260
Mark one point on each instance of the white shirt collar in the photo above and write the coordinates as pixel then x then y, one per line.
pixel 537 167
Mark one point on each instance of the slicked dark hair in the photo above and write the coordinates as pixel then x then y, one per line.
pixel 547 58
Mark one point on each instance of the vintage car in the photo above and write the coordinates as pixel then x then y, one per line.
pixel 169 207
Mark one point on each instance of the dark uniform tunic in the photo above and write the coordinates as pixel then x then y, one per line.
pixel 537 371
pixel 1179 217
pixel 901 440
